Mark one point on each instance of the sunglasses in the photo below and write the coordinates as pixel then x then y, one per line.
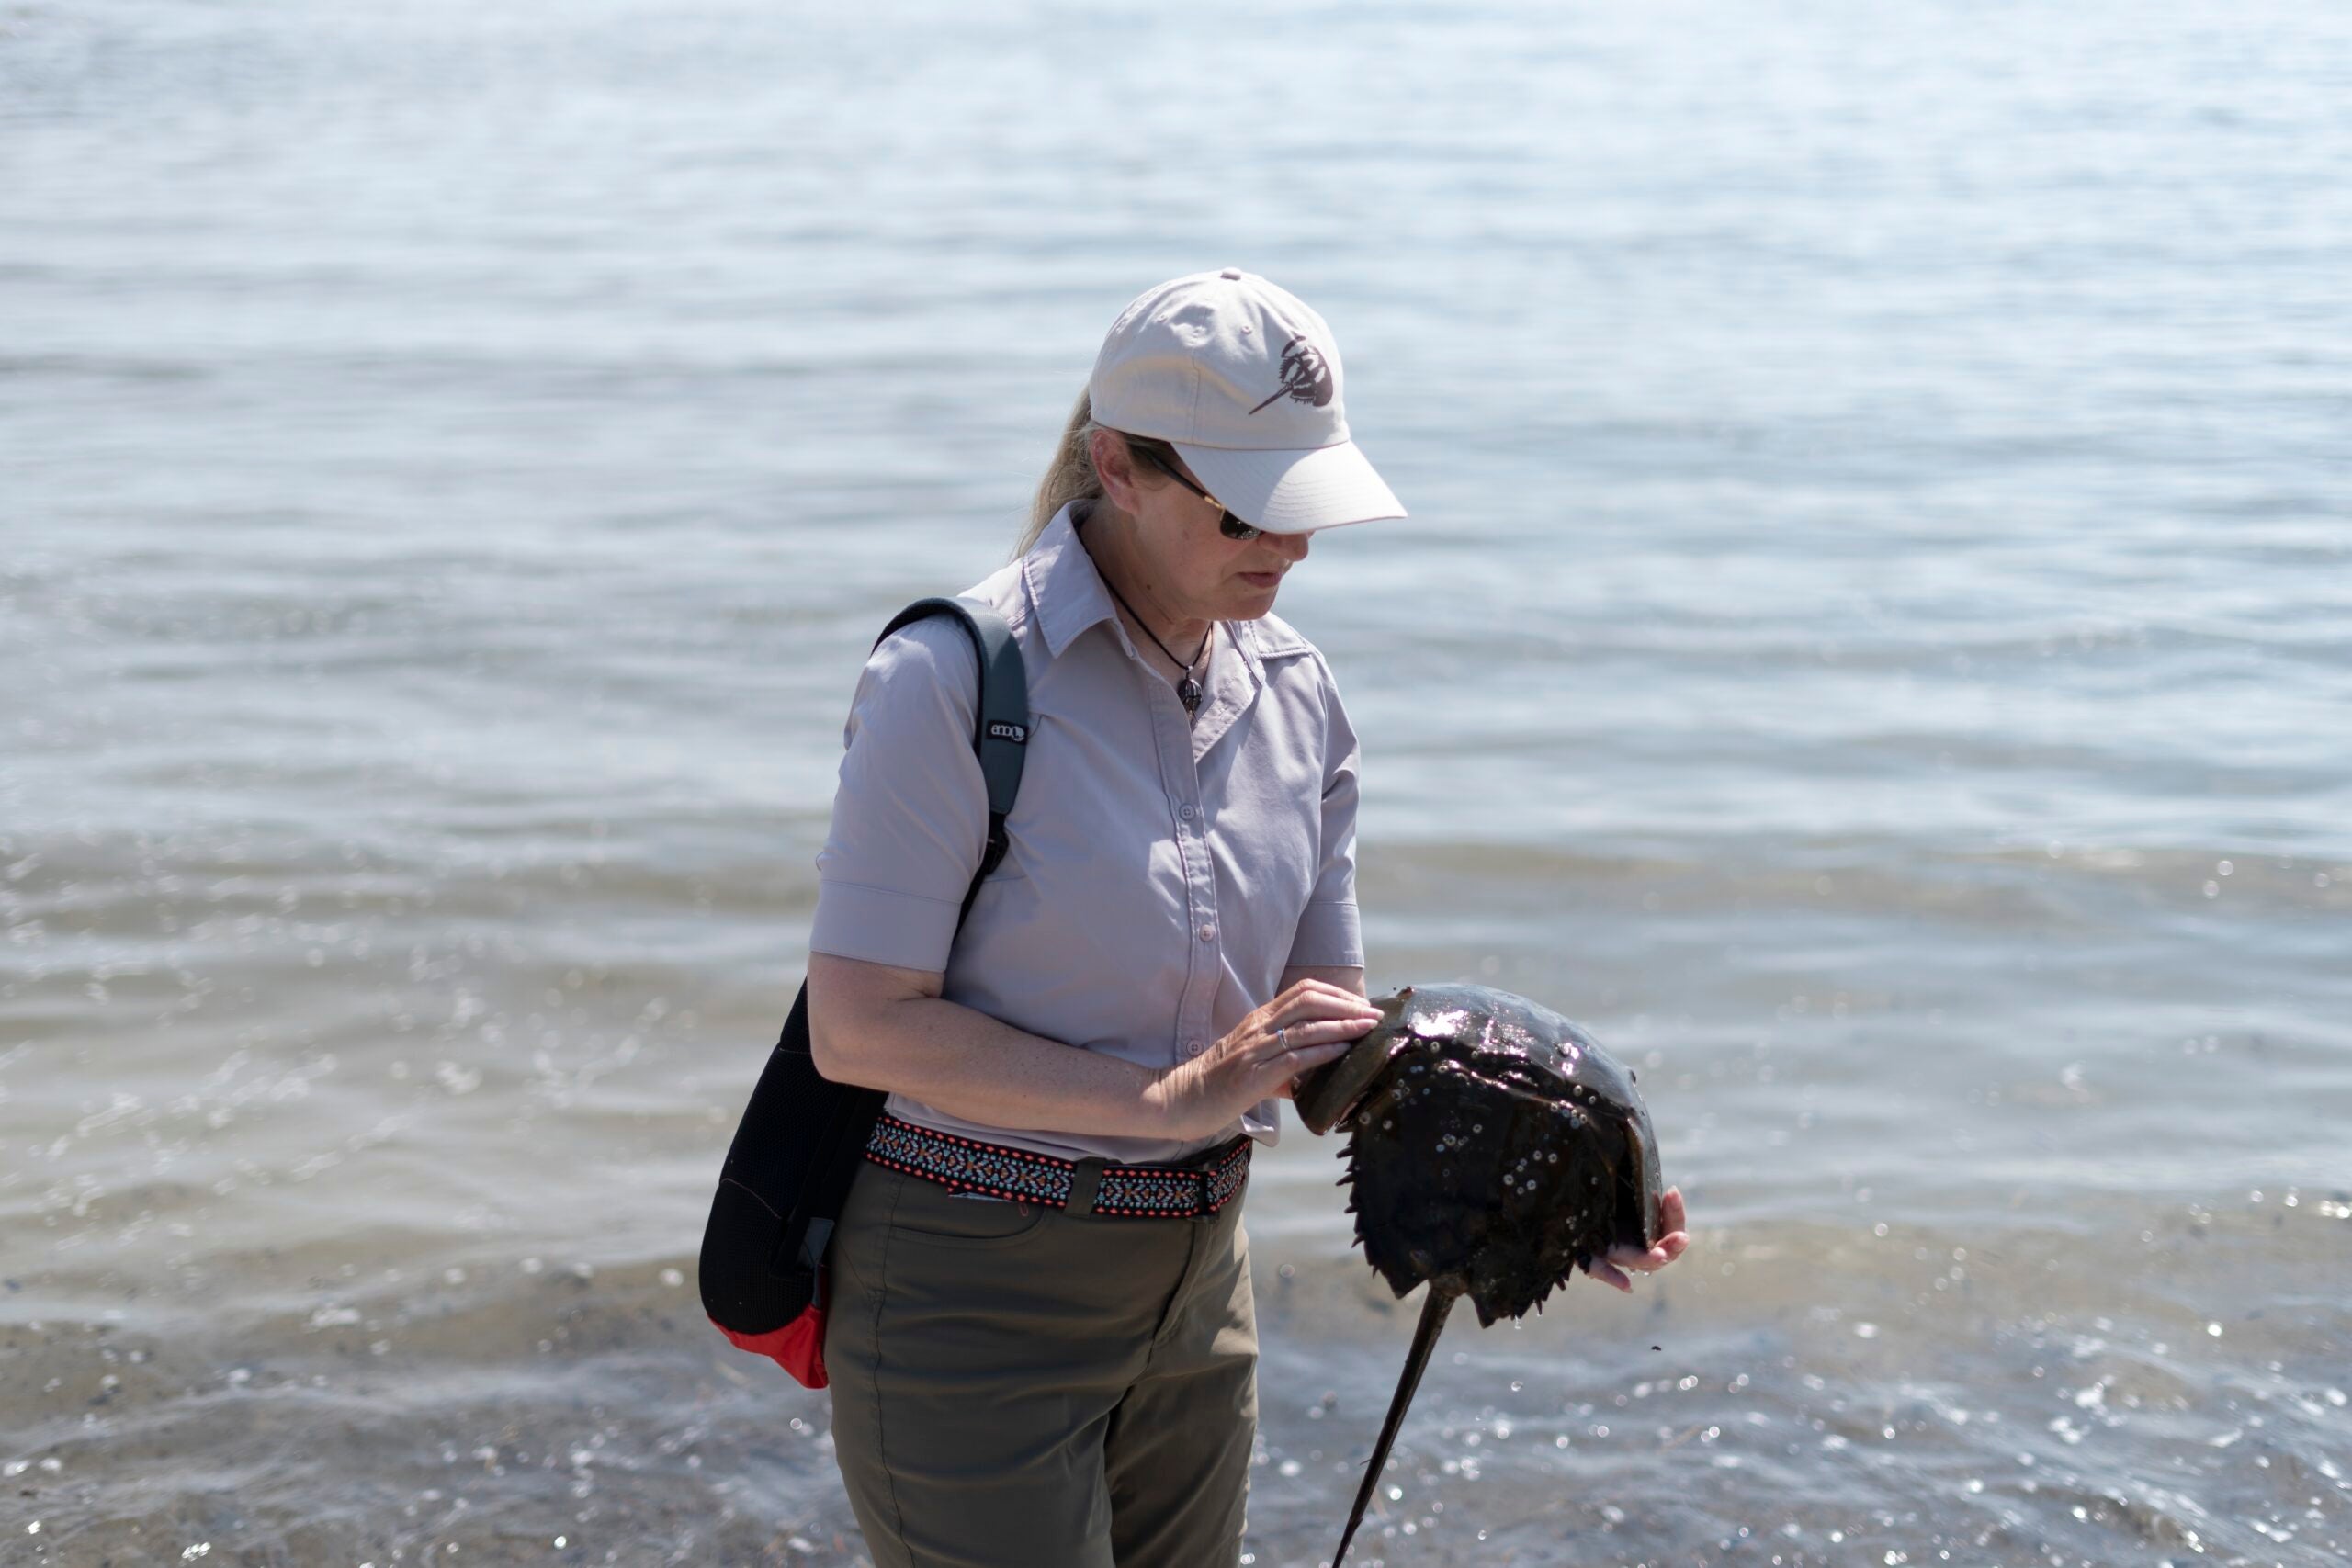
pixel 1232 527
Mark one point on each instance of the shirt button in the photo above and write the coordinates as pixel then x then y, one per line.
pixel 1208 932
pixel 1185 811
pixel 1193 1047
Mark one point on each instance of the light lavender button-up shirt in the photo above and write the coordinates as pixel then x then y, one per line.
pixel 1163 872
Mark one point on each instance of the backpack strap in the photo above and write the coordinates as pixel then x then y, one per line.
pixel 999 721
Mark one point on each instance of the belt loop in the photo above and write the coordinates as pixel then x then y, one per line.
pixel 1235 1153
pixel 1085 1177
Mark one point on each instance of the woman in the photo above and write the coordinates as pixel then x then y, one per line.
pixel 1041 1336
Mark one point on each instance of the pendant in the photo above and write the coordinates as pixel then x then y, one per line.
pixel 1187 691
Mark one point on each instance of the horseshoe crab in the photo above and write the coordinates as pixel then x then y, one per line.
pixel 1494 1148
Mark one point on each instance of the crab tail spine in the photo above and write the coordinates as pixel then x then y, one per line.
pixel 1433 1311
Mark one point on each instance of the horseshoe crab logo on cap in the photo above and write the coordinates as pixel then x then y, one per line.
pixel 1305 375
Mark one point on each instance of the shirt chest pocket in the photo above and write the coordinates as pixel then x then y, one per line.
pixel 1089 809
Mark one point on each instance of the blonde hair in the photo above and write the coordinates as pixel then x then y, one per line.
pixel 1071 476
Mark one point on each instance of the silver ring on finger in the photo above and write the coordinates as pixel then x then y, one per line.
pixel 1281 1037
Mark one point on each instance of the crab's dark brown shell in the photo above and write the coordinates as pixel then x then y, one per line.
pixel 1491 1141
pixel 1494 1148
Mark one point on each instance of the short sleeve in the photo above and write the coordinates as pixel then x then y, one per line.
pixel 1329 930
pixel 910 812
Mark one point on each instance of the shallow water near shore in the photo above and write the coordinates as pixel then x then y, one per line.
pixel 1872 644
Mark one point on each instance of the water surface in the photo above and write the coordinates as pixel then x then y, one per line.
pixel 1871 643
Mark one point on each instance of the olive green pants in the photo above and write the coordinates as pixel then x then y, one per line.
pixel 1017 1387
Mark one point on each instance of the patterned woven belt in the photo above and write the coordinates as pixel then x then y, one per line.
pixel 1128 1191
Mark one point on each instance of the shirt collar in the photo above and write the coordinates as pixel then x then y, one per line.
pixel 1065 593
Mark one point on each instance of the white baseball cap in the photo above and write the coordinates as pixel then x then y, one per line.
pixel 1244 381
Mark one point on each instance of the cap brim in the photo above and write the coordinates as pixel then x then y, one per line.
pixel 1294 491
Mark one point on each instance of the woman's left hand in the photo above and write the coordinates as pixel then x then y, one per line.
pixel 1611 1269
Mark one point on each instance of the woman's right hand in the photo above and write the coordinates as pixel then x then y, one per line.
pixel 1313 1022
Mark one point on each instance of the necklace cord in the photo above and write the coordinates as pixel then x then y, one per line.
pixel 1188 691
pixel 1186 664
